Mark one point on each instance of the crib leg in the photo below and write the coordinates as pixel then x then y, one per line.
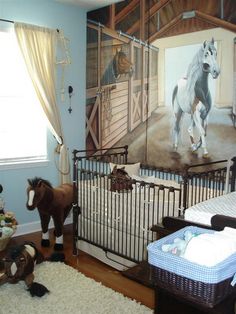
pixel 76 212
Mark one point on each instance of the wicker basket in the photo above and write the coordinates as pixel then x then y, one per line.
pixel 5 240
pixel 197 283
pixel 195 291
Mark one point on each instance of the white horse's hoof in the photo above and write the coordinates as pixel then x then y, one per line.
pixel 205 156
pixel 175 147
pixel 194 148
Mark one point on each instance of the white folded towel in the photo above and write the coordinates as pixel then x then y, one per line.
pixel 209 249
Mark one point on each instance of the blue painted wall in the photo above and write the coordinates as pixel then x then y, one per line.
pixel 72 20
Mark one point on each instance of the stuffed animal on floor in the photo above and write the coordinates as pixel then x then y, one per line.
pixel 51 202
pixel 19 263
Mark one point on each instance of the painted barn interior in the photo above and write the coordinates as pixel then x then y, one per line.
pixel 116 100
pixel 146 123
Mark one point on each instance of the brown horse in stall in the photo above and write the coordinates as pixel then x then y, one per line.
pixel 51 202
pixel 122 65
pixel 117 65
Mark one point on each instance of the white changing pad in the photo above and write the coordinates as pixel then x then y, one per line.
pixel 221 205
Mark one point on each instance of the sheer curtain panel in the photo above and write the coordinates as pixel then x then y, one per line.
pixel 38 46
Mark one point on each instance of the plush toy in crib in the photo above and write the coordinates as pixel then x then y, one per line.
pixel 120 180
pixel 19 263
pixel 179 245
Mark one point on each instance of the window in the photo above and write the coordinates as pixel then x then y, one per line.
pixel 23 130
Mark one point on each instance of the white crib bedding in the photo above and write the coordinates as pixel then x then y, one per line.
pixel 204 211
pixel 139 208
pixel 120 222
pixel 98 203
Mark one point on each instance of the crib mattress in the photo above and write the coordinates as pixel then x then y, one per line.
pixel 221 205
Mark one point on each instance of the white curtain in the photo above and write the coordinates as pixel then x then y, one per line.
pixel 38 46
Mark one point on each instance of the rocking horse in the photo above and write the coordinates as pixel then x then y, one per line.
pixel 52 203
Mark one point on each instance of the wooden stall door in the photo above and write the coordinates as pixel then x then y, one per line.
pixel 136 93
pixel 107 94
pixel 93 97
pixel 116 105
pixel 114 97
pixel 152 81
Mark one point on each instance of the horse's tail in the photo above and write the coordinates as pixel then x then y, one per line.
pixel 175 91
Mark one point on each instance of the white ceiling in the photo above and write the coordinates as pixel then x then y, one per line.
pixel 90 5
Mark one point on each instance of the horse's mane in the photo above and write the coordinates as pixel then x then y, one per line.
pixel 194 68
pixel 34 182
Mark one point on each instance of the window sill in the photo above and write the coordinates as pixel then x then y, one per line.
pixel 21 164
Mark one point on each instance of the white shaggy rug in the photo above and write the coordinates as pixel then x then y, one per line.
pixel 70 293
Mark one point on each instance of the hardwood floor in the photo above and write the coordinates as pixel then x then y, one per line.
pixel 92 268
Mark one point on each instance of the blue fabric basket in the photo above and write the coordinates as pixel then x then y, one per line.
pixel 207 285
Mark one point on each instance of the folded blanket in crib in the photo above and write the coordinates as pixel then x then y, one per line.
pixel 209 249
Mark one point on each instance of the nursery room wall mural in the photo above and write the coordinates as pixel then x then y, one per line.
pixel 161 79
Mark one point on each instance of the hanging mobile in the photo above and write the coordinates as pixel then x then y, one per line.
pixel 70 91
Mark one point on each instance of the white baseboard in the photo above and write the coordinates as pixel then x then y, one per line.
pixel 36 226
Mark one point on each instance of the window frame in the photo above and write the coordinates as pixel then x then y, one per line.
pixel 27 160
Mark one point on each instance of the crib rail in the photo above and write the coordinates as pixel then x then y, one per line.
pixel 208 180
pixel 98 160
pixel 95 160
pixel 120 222
pixel 103 218
pixel 199 182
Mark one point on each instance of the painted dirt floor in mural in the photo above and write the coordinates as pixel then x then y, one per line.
pixel 152 141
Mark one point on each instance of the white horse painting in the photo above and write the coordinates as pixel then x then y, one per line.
pixel 192 95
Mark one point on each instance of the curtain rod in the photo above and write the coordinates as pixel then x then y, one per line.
pixel 8 21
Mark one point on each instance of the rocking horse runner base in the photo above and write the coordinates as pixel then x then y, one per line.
pixel 54 203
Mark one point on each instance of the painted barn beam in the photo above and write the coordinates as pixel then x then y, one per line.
pixel 112 13
pixel 215 21
pixel 142 20
pixel 123 13
pixel 151 12
pixel 165 28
